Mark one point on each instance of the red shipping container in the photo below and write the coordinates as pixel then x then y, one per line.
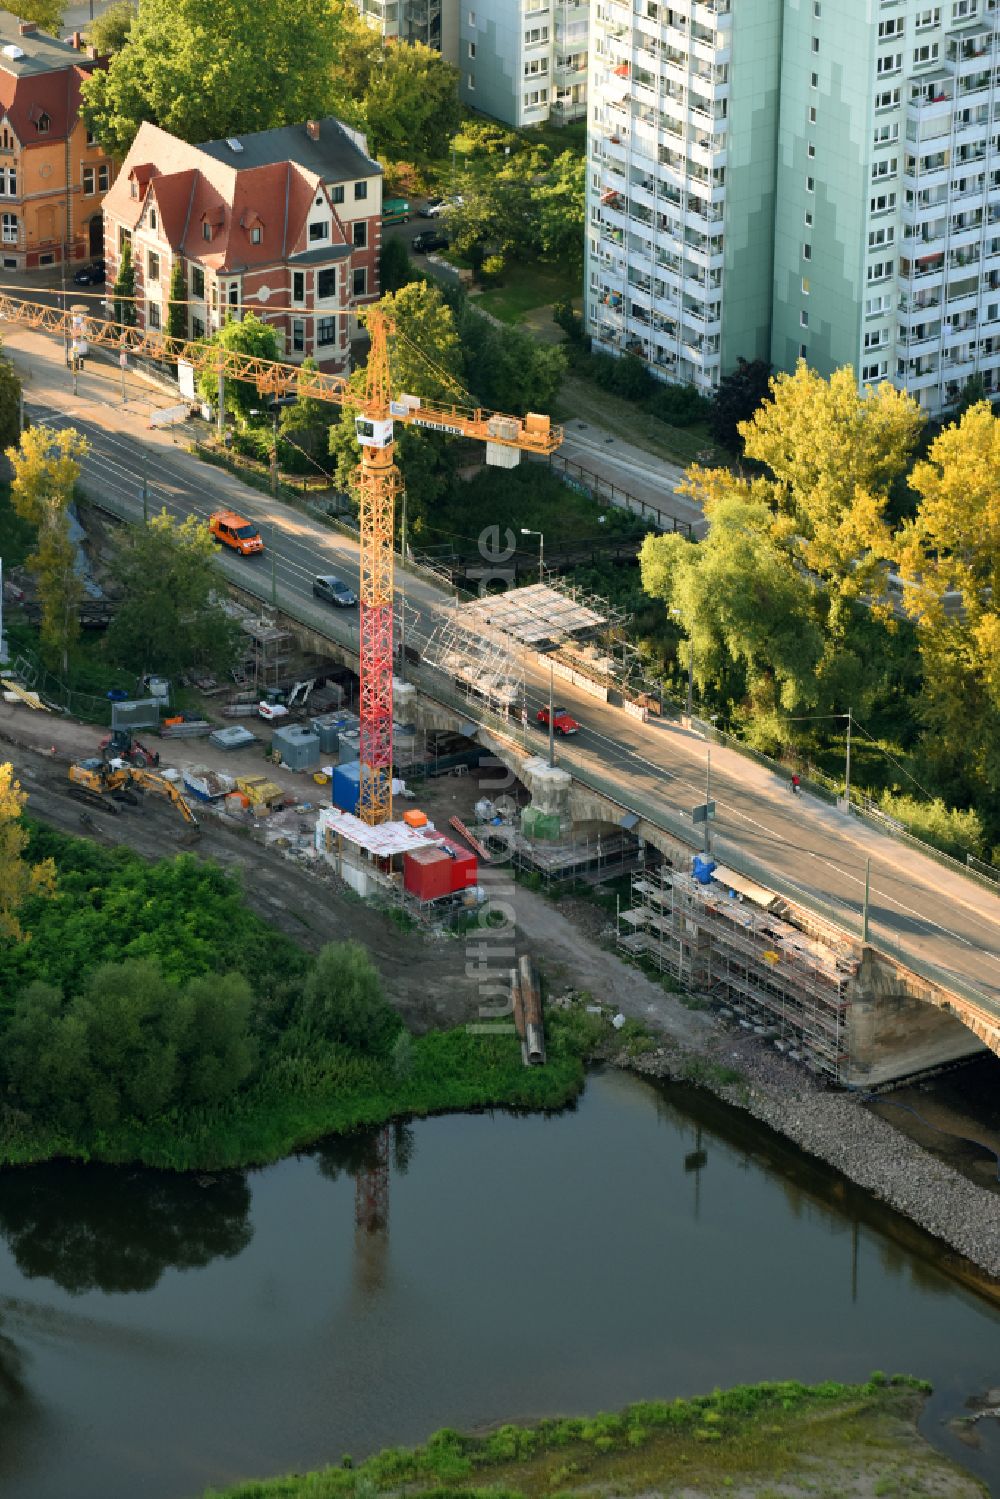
pixel 427 873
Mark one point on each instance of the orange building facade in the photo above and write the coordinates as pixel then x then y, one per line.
pixel 53 175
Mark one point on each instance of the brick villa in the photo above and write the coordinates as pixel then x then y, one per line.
pixel 285 223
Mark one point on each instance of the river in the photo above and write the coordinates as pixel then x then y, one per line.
pixel 161 1333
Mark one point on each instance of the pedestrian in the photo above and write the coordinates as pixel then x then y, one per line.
pixel 796 784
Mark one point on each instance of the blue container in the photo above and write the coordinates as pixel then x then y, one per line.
pixel 702 869
pixel 347 787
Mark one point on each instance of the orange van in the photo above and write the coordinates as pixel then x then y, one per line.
pixel 235 531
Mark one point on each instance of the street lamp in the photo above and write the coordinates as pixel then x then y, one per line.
pixel 541 551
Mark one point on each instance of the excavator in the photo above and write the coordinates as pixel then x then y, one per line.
pixel 109 785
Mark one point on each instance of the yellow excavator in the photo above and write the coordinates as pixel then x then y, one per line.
pixel 108 786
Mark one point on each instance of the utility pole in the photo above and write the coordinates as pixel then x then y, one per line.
pixel 552 714
pixel 868 892
pixel 221 419
pixel 708 801
pixel 847 772
pixel 690 702
pixel 274 457
pixel 274 571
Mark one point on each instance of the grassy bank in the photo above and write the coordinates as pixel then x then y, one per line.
pixel 246 1047
pixel 763 1440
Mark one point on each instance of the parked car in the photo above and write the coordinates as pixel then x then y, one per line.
pixel 334 591
pixel 91 275
pixel 235 531
pixel 395 211
pixel 428 240
pixel 432 208
pixel 562 723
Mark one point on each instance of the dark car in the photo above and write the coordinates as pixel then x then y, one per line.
pixel 432 208
pixel 335 591
pixel 428 240
pixel 91 275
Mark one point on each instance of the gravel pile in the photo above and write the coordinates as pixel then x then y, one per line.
pixel 839 1129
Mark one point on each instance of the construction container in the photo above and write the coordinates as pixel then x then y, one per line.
pixel 237 801
pixel 233 738
pixel 348 746
pixel 464 866
pixel 259 791
pixel 297 745
pixel 415 819
pixel 347 787
pixel 206 784
pixel 328 728
pixel 543 826
pixel 427 873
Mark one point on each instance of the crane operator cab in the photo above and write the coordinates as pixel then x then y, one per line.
pixel 373 434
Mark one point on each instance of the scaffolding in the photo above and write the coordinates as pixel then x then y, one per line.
pixel 773 977
pixel 486 664
pixel 594 855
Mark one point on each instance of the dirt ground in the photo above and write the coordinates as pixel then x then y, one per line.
pixel 432 980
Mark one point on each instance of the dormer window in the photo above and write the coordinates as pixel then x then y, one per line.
pixel 152 218
pixel 133 188
pixel 254 226
pixel 256 234
pixel 206 230
pixel 44 124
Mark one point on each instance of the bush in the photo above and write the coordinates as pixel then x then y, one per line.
pixel 954 832
pixel 342 1002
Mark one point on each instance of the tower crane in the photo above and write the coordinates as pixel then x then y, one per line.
pixel 378 478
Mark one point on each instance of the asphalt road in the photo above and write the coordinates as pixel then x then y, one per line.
pixel 812 852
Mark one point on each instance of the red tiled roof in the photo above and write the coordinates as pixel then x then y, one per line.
pixel 25 98
pixel 193 188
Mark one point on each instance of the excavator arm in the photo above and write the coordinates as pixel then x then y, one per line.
pixel 147 781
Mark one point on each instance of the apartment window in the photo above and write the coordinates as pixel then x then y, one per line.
pixel 807 252
pixel 808 218
pixel 887 135
pixel 470 81
pixel 360 282
pixel 298 286
pixel 9 228
pixel 802 351
pixel 319 231
pixel 811 151
pixel 887 167
pixel 153 314
pixel 810 184
pixel 927 18
pixel 298 335
pixel 893 27
pixel 197 281
pixel 536 66
pixel 359 234
pixel 887 99
pixel 89 181
pixel 326 330
pixel 803 319
pixel 889 62
pixel 876 306
pixel 881 270
pixel 882 203
pixel 197 327
pixel 536 34
pixel 878 238
pixel 876 338
pixel 963 9
pixel 812 114
pixel 152 266
pixel 925 54
pixel 875 371
pixel 472 51
pixel 234 294
pixel 326 283
pixel 814 80
pixel 337 193
pixel 805 286
pixel 104 178
pixel 816 9
pixel 815 43
pixel 472 20
pixel 360 190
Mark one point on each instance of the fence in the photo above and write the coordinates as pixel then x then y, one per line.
pixel 586 481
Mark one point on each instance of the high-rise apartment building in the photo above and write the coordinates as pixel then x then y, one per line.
pixel 433 22
pixel 524 61
pixel 798 178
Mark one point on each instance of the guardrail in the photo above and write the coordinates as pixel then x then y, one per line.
pixel 590 483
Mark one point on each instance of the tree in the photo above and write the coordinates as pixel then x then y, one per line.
pixel 306 426
pixel 46 469
pixel 10 404
pixel 558 199
pixel 737 398
pixel 747 609
pixel 951 551
pixel 124 287
pixel 203 69
pixel 252 337
pixel 109 31
pixel 395 268
pixel 342 1001
pixel 507 369
pixel 834 455
pixel 495 216
pixel 46 14
pixel 177 320
pixel 169 619
pixel 18 879
pixel 411 102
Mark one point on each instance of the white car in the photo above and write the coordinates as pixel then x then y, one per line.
pixel 271 711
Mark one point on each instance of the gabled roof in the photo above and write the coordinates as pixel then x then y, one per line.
pixel 40 75
pixel 193 189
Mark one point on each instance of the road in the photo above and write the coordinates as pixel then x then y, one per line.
pixel 814 853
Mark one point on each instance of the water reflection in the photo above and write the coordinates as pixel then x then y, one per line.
pixel 107 1230
pixel 369 1157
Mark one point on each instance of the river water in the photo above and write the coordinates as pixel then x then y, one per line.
pixel 158 1334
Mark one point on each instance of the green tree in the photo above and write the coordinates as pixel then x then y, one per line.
pixel 10 404
pixel 124 288
pixel 342 1002
pixel 249 336
pixel 557 198
pixel 109 31
pixel 747 609
pixel 411 102
pixel 507 369
pixel 46 14
pixel 46 469
pixel 18 878
pixel 209 68
pixel 169 619
pixel 177 319
pixel 306 426
pixel 395 268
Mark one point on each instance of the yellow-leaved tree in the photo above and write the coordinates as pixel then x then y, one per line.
pixel 46 468
pixel 834 453
pixel 18 879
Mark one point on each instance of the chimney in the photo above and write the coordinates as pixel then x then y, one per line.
pixel 28 28
pixel 93 52
pixel 312 129
pixel 77 39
